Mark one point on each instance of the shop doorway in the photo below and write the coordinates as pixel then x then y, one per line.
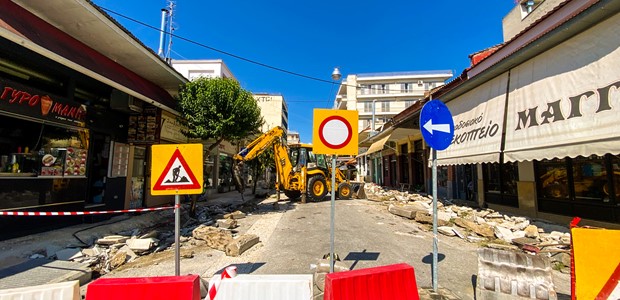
pixel 98 169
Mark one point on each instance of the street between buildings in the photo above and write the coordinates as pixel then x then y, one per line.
pixel 294 236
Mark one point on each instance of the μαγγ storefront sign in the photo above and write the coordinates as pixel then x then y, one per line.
pixel 26 101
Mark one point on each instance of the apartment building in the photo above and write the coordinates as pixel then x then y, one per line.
pixel 273 109
pixel 380 96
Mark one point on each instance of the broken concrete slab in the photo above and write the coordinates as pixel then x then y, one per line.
pixel 426 218
pixel 69 254
pixel 215 238
pixel 235 215
pixel 481 229
pixel 112 239
pixel 446 230
pixel 227 223
pixel 241 244
pixel 118 259
pixel 141 245
pixel 401 210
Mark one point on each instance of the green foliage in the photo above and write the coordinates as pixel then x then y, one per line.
pixel 218 108
pixel 260 164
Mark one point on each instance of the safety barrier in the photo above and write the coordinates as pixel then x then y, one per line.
pixel 69 290
pixel 386 282
pixel 81 213
pixel 145 288
pixel 260 287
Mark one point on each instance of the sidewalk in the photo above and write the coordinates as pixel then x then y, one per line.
pixel 24 261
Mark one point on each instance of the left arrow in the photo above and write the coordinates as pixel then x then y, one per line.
pixel 429 126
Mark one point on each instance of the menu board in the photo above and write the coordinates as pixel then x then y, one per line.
pixel 75 162
pixel 144 128
pixel 52 162
pixel 120 160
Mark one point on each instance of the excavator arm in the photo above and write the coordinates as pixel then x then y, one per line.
pixel 260 144
pixel 255 148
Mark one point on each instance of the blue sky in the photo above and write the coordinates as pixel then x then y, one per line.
pixel 313 37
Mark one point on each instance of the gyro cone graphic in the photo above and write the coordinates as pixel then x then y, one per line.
pixel 46 105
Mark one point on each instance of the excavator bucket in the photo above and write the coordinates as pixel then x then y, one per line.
pixel 513 275
pixel 237 178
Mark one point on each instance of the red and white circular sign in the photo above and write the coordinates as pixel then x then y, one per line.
pixel 335 132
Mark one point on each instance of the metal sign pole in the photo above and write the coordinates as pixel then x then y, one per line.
pixel 333 212
pixel 177 230
pixel 434 220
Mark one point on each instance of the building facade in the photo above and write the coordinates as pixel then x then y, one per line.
pixel 80 107
pixel 535 119
pixel 378 97
pixel 274 110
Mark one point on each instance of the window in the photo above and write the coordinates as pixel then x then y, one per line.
pixel 365 89
pixel 501 183
pixel 367 106
pixel 384 89
pixel 585 186
pixel 385 106
pixel 409 102
pixel 406 87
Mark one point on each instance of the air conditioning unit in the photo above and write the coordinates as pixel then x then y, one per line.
pixel 124 102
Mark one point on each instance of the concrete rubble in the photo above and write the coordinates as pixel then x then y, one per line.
pixel 213 226
pixel 484 226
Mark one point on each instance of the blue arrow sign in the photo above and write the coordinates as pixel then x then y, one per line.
pixel 437 125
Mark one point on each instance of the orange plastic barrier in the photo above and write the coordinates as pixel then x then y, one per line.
pixel 392 282
pixel 151 288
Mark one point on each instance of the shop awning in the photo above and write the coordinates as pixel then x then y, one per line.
pixel 478 117
pixel 378 145
pixel 555 111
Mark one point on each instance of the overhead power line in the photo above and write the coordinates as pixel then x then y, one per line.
pixel 218 50
pixel 170 34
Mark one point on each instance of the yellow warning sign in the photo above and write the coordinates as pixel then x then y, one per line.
pixel 176 169
pixel 334 132
pixel 596 255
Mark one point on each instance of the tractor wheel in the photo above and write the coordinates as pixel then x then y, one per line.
pixel 317 188
pixel 292 195
pixel 344 191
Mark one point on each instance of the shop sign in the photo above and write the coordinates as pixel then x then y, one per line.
pixel 171 128
pixel 26 101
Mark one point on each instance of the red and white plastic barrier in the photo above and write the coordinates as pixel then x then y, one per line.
pixel 214 283
pixel 80 213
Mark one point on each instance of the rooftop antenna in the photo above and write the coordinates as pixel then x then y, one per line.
pixel 166 29
pixel 171 6
pixel 162 29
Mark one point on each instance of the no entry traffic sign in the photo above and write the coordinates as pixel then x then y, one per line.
pixel 335 132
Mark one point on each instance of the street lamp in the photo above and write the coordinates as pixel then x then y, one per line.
pixel 336 74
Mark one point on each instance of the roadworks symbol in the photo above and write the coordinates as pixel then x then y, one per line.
pixel 177 175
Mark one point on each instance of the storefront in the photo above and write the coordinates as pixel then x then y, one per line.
pixel 44 149
pixel 65 142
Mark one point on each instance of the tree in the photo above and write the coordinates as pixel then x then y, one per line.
pixel 219 109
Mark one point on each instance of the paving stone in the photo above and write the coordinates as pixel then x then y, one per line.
pixel 43 271
pixel 241 244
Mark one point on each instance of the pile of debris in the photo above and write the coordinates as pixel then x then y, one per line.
pixel 486 227
pixel 213 226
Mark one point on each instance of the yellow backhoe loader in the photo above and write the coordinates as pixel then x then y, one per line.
pixel 299 172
